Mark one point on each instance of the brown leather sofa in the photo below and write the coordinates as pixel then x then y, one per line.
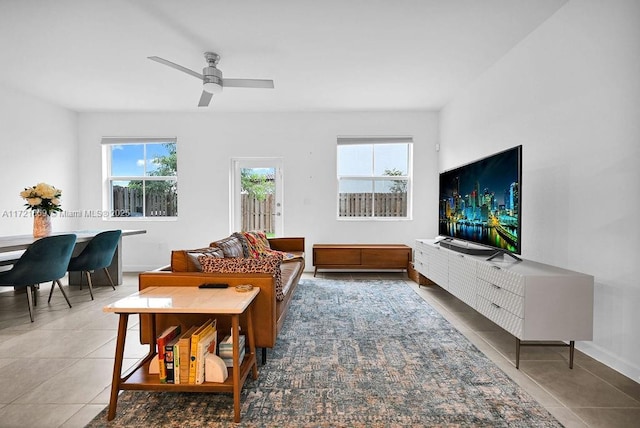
pixel 269 308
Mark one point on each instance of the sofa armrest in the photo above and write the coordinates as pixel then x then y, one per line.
pixel 288 244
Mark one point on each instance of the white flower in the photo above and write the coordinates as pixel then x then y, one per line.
pixel 42 197
pixel 34 201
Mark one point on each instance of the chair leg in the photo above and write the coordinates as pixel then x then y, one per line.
pixel 30 301
pixel 53 285
pixel 57 281
pixel 34 294
pixel 109 276
pixel 90 284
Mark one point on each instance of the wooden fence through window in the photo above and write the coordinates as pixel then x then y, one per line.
pixel 372 205
pixel 127 202
pixel 260 214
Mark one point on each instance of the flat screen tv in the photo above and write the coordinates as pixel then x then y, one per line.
pixel 480 203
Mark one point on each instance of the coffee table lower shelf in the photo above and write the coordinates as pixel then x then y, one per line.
pixel 139 379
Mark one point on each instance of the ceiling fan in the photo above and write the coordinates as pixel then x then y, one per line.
pixel 212 81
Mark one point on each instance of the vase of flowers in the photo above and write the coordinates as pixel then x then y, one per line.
pixel 42 199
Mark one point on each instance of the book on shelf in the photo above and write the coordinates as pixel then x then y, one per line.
pixel 165 337
pixel 206 345
pixel 176 361
pixel 184 354
pixel 171 359
pixel 202 331
pixel 228 361
pixel 225 350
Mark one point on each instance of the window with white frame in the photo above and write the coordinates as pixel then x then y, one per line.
pixel 141 177
pixel 374 177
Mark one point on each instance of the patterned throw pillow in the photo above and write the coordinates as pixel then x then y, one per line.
pixel 257 243
pixel 259 246
pixel 268 264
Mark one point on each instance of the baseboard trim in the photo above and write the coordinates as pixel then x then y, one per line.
pixel 597 353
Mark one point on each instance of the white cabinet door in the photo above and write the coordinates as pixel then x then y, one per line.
pixel 438 265
pixel 463 277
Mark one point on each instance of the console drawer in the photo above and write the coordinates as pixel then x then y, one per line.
pixel 500 316
pixel 503 278
pixel 420 258
pixel 501 297
pixel 336 256
pixel 421 266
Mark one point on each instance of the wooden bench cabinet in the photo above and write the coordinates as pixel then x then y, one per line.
pixel 361 256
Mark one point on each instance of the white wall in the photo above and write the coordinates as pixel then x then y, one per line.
pixel 39 144
pixel 307 143
pixel 570 94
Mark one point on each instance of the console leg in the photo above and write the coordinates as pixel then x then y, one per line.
pixel 264 356
pixel 572 347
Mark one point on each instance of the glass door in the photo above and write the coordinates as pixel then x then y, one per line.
pixel 256 192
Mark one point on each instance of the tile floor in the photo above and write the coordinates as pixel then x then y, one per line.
pixel 56 371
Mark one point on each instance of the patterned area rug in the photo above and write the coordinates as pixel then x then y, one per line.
pixel 354 354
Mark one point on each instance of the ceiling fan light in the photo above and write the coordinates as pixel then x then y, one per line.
pixel 212 87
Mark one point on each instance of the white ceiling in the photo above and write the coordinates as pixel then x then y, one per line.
pixel 323 55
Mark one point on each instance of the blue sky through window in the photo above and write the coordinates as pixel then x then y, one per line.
pixel 129 159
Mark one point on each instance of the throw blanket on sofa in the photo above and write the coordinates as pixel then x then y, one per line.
pixel 264 264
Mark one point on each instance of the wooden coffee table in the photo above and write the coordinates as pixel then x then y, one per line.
pixel 183 300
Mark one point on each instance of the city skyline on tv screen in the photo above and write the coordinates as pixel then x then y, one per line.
pixel 480 201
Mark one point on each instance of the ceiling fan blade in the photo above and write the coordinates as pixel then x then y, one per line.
pixel 205 99
pixel 176 66
pixel 248 83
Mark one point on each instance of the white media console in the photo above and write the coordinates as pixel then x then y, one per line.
pixel 533 301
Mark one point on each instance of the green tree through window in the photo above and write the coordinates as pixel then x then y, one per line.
pixel 143 178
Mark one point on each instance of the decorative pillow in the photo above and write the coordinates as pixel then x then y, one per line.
pixel 243 242
pixel 182 261
pixel 267 264
pixel 257 243
pixel 231 246
pixel 259 246
pixel 211 251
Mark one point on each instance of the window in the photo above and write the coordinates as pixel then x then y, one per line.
pixel 141 177
pixel 374 177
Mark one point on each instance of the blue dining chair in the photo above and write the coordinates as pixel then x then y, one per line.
pixel 43 261
pixel 98 254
